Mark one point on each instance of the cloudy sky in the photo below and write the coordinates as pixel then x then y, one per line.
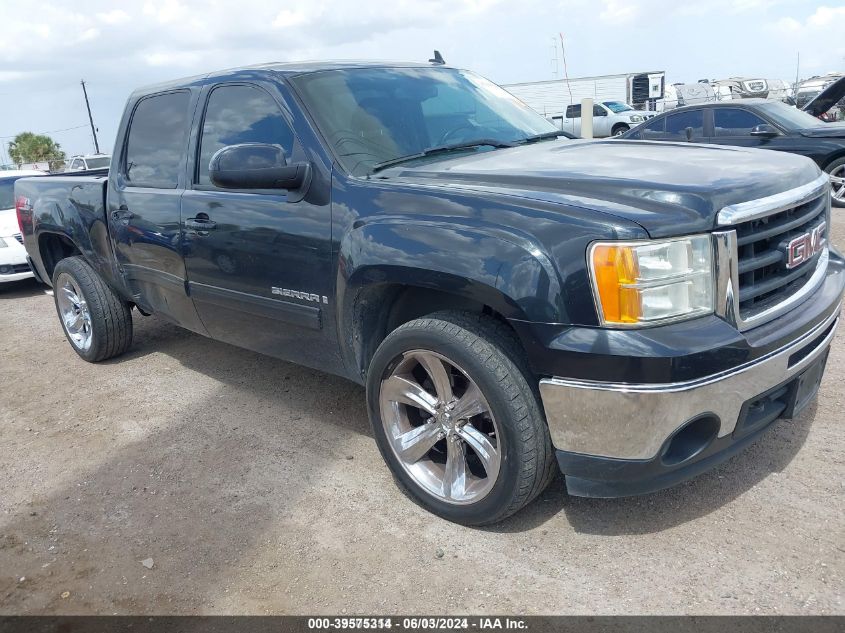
pixel 47 47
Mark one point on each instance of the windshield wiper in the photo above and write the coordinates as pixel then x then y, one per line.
pixel 544 136
pixel 443 149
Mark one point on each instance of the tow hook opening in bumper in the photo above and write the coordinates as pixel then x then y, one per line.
pixel 689 440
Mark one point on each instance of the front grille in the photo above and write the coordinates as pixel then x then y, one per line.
pixel 764 279
pixel 19 237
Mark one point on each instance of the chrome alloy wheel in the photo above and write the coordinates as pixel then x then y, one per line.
pixel 440 427
pixel 73 310
pixel 837 183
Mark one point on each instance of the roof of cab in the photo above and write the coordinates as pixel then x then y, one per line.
pixel 286 69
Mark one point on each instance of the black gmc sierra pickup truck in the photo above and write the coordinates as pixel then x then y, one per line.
pixel 514 300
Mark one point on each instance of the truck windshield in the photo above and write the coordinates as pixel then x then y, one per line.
pixel 617 106
pixel 375 115
pixel 99 162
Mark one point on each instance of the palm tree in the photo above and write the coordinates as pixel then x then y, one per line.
pixel 36 148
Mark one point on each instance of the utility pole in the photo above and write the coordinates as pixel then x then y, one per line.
pixel 797 74
pixel 90 118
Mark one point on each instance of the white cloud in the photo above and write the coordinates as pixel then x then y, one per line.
pixel 88 34
pixel 818 38
pixel 620 11
pixel 289 17
pixel 827 16
pixel 114 17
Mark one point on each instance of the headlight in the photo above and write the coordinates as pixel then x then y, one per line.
pixel 3 243
pixel 643 283
pixel 637 118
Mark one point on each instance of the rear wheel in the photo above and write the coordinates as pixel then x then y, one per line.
pixel 456 418
pixel 96 322
pixel 837 181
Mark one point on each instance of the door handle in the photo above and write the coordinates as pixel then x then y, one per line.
pixel 200 224
pixel 122 215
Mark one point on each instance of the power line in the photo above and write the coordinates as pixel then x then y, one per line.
pixel 67 129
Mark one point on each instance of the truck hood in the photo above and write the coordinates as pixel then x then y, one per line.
pixel 667 188
pixel 825 130
pixel 827 98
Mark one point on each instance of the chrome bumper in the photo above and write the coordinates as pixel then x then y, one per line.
pixel 632 421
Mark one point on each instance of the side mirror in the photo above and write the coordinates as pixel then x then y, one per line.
pixel 689 131
pixel 764 130
pixel 256 166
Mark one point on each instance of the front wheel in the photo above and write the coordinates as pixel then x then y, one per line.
pixel 837 182
pixel 620 129
pixel 96 322
pixel 456 418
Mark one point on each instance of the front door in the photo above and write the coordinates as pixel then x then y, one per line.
pixel 259 264
pixel 732 126
pixel 144 206
pixel 601 122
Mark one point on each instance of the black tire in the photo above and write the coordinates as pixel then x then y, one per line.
pixel 837 164
pixel 491 356
pixel 620 128
pixel 110 316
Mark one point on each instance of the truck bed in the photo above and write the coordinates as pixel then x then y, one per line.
pixel 66 209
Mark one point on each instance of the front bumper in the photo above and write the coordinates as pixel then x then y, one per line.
pixel 622 438
pixel 13 261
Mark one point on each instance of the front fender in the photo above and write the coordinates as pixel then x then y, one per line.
pixel 509 273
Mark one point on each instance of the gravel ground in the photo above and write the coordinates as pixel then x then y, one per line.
pixel 190 476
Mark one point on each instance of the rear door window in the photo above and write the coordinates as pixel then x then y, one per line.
pixel 157 141
pixel 735 121
pixel 573 112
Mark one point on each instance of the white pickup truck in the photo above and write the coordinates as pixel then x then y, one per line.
pixel 610 118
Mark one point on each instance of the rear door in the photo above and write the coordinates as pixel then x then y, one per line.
pixel 601 121
pixel 259 273
pixel 144 205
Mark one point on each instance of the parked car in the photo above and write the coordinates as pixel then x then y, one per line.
pixel 760 123
pixel 88 162
pixel 632 313
pixel 610 118
pixel 13 264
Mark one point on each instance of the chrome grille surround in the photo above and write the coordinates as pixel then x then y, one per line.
pixel 729 289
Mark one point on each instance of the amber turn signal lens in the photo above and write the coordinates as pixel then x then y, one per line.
pixel 615 267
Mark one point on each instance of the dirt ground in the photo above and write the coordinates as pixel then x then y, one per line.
pixel 193 477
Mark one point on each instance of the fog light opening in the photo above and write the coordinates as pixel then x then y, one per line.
pixel 690 439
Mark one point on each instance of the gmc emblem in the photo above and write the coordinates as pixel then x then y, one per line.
pixel 804 247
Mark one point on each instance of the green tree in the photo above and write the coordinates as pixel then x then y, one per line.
pixel 36 148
